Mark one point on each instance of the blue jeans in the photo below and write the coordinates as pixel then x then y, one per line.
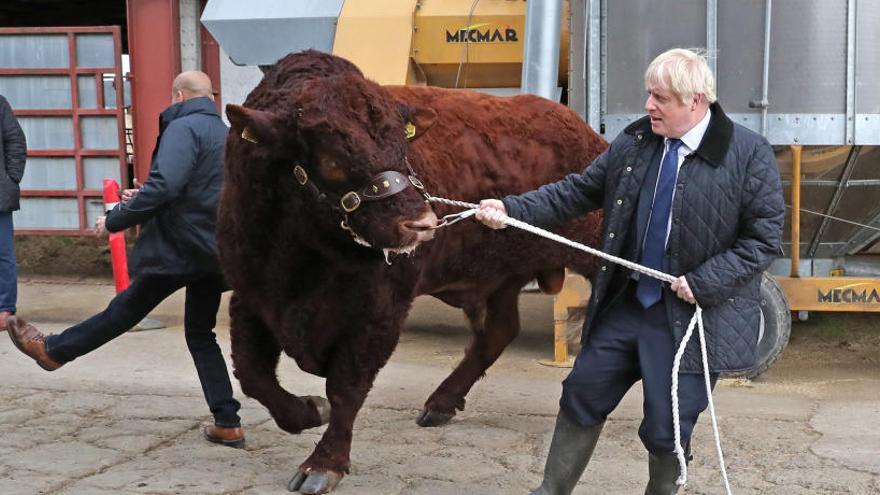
pixel 131 305
pixel 628 344
pixel 8 274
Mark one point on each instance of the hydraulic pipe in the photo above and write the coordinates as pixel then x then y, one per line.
pixel 795 209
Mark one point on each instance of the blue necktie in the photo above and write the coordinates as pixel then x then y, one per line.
pixel 649 290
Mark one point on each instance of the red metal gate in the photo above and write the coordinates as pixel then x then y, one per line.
pixel 66 87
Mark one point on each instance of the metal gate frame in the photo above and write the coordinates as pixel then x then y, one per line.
pixel 75 112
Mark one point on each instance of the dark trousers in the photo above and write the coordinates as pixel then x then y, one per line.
pixel 628 344
pixel 131 305
pixel 8 274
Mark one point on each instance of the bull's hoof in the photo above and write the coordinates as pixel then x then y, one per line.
pixel 314 481
pixel 429 417
pixel 322 405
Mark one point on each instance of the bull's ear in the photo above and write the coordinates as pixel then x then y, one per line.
pixel 255 126
pixel 418 121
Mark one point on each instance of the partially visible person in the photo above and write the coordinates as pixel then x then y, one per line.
pixel 13 152
pixel 177 208
pixel 685 191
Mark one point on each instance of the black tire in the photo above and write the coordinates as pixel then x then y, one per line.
pixel 777 326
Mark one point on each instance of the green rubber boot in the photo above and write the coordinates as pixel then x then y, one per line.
pixel 570 452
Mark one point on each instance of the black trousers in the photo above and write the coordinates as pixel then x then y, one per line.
pixel 131 305
pixel 628 344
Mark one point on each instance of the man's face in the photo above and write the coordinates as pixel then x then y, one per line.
pixel 669 116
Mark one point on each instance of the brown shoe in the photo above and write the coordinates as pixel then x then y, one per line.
pixel 230 437
pixel 4 315
pixel 30 341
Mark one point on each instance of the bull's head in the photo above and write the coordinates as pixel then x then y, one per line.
pixel 344 141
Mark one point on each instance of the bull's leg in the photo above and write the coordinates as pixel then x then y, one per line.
pixel 489 338
pixel 353 368
pixel 255 355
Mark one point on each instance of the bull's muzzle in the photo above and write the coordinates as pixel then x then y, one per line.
pixel 423 227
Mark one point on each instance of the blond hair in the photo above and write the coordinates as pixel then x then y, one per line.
pixel 684 72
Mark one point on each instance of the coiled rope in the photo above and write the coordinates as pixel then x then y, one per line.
pixel 696 322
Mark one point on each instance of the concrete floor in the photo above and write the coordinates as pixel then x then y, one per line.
pixel 126 419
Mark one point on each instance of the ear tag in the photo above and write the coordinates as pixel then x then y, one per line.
pixel 248 136
pixel 410 130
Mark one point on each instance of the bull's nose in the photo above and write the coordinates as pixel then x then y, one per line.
pixel 423 227
pixel 428 221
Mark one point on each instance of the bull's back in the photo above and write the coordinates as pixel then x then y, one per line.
pixel 496 146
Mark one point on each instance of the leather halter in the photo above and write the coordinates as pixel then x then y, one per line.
pixel 380 186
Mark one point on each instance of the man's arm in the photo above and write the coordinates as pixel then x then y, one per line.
pixel 762 216
pixel 572 197
pixel 172 167
pixel 14 143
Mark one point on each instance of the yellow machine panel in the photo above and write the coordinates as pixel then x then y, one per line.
pixel 831 293
pixel 377 36
pixel 439 42
pixel 484 48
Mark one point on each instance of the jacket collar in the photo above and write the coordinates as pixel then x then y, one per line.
pixel 715 142
pixel 202 105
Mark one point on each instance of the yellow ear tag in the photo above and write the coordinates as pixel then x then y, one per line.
pixel 410 130
pixel 247 136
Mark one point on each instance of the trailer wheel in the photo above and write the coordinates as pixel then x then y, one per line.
pixel 776 326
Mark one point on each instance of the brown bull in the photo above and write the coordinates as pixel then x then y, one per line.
pixel 322 233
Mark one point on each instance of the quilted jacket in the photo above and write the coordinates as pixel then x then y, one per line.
pixel 727 217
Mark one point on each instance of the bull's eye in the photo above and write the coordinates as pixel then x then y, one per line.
pixel 331 171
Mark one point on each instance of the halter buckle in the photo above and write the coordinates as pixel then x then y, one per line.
pixel 301 176
pixel 350 201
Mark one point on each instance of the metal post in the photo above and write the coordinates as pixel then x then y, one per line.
pixel 795 209
pixel 577 55
pixel 594 55
pixel 541 48
pixel 603 61
pixel 768 9
pixel 850 71
pixel 712 38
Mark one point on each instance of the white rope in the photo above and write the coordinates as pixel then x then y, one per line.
pixel 696 321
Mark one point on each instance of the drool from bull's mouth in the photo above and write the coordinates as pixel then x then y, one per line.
pixel 407 250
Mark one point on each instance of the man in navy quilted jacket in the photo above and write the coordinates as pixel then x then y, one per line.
pixel 685 191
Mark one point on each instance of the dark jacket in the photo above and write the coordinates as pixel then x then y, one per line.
pixel 13 153
pixel 177 205
pixel 727 217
